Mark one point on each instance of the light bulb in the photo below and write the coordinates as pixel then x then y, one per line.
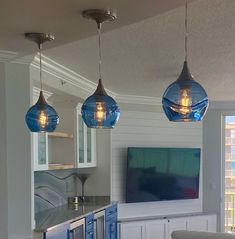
pixel 100 113
pixel 185 102
pixel 42 119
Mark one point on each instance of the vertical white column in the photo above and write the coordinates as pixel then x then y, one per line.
pixel 212 162
pixel 15 141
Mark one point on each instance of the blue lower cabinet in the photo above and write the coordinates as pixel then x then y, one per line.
pixel 84 228
pixel 111 222
pixel 111 212
pixel 111 229
pixel 90 226
pixel 58 232
pixel 90 234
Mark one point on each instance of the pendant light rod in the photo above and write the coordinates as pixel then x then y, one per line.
pixel 99 42
pixel 186 31
pixel 39 39
pixel 99 16
pixel 40 65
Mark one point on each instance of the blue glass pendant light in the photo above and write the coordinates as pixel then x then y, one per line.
pixel 185 100
pixel 100 110
pixel 41 117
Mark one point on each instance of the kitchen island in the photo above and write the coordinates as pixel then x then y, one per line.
pixel 58 222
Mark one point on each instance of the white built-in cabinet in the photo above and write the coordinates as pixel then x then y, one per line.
pixel 162 228
pixel 40 141
pixel 175 224
pixel 132 230
pixel 156 227
pixel 85 142
pixel 40 148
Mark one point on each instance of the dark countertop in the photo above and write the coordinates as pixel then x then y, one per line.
pixel 46 219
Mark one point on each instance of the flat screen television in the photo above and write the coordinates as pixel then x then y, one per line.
pixel 158 174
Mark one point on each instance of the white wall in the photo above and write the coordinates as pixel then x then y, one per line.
pixel 150 129
pixel 15 141
pixel 3 161
pixel 98 184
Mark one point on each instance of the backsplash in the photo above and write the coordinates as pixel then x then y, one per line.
pixel 53 187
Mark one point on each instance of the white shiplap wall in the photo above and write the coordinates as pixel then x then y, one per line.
pixel 150 129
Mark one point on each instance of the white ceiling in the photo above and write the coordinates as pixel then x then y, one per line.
pixel 143 51
pixel 63 18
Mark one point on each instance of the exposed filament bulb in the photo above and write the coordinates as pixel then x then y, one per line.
pixel 185 102
pixel 100 113
pixel 42 119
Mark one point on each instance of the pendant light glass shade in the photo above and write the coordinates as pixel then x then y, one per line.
pixel 185 100
pixel 41 117
pixel 100 110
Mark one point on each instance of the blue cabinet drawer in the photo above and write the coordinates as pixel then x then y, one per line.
pixel 111 212
pixel 90 222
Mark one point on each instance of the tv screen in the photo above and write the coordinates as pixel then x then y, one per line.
pixel 157 174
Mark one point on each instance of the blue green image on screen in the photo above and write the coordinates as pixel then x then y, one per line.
pixel 157 174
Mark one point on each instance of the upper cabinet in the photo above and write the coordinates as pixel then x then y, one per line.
pixel 40 148
pixel 85 142
pixel 72 145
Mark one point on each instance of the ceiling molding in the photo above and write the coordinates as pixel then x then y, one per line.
pixel 15 57
pixel 7 55
pixel 67 76
pixel 139 100
pixel 23 59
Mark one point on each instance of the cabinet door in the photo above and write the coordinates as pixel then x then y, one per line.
pixel 59 232
pixel 40 146
pixel 90 226
pixel 200 223
pixel 111 229
pixel 111 222
pixel 176 224
pixel 85 143
pixel 212 223
pixel 132 230
pixel 156 229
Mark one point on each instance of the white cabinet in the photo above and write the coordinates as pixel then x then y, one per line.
pixel 85 142
pixel 162 228
pixel 135 230
pixel 54 150
pixel 40 148
pixel 176 224
pixel 156 229
pixel 202 223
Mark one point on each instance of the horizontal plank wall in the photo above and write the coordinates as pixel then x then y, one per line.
pixel 150 129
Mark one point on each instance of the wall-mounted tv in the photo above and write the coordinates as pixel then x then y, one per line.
pixel 158 174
